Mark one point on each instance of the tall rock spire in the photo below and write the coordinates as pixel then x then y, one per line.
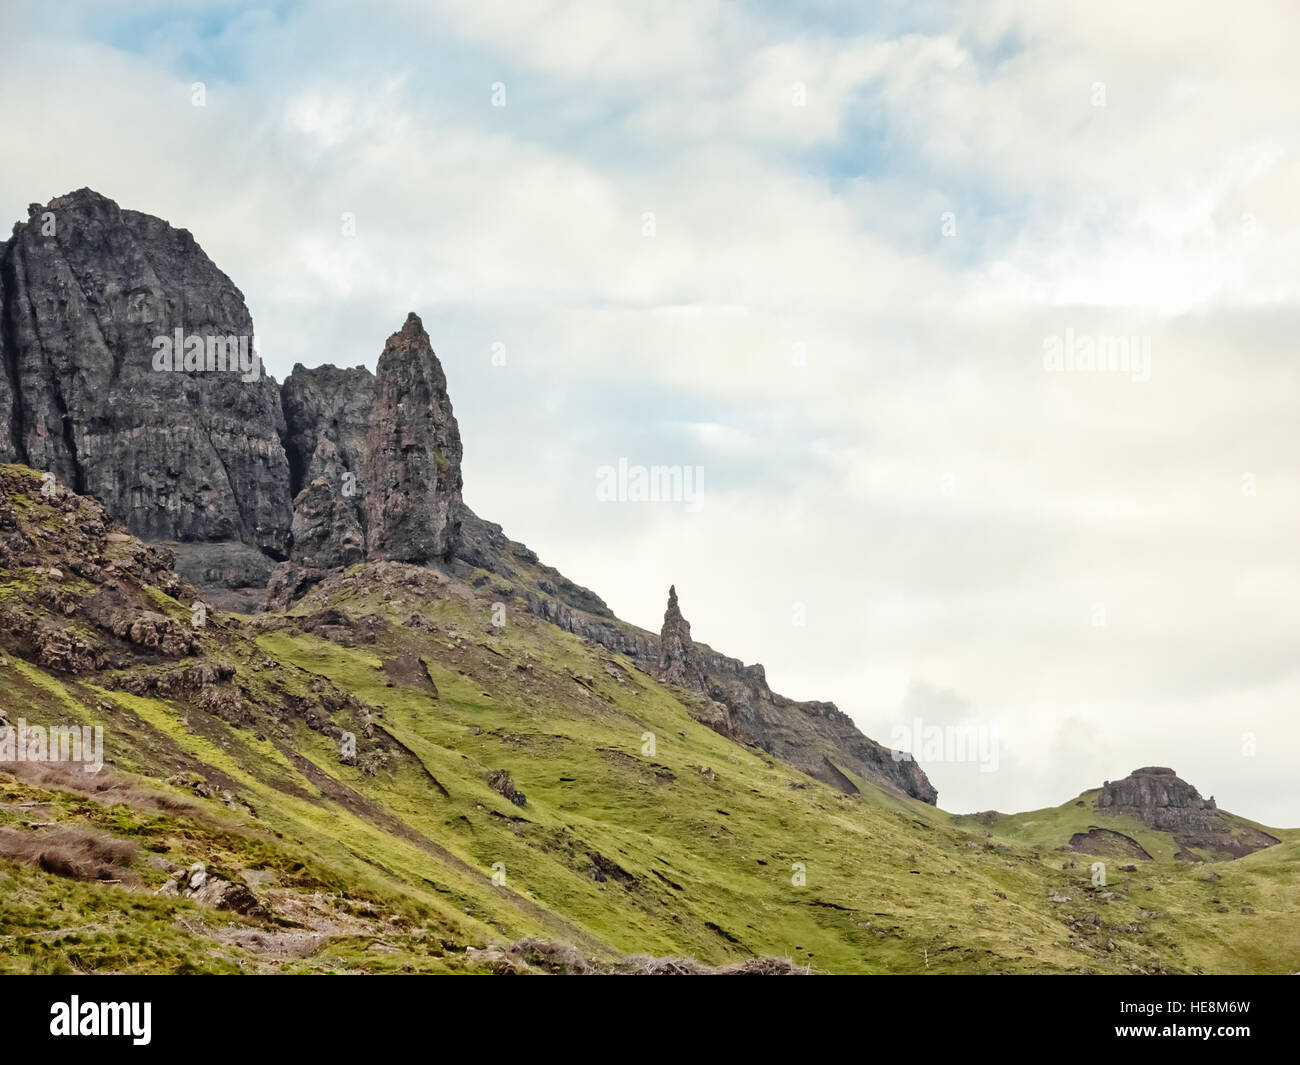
pixel 413 453
pixel 678 662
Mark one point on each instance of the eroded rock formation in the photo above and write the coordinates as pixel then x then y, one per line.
pixel 251 484
pixel 413 454
pixel 1160 799
pixel 1157 796
pixel 327 414
pixel 816 736
pixel 678 663
pixel 375 463
pixel 89 291
pixel 121 344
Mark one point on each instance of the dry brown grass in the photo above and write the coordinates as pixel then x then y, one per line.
pixel 107 786
pixel 70 852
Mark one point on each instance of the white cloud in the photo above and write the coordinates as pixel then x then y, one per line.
pixel 798 325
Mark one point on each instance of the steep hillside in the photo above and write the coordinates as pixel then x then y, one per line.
pixel 130 374
pixel 408 770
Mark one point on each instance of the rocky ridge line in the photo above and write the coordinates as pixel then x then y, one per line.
pixel 255 486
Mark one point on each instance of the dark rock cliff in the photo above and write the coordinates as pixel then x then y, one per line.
pixel 90 294
pixel 375 463
pixel 327 421
pixel 128 374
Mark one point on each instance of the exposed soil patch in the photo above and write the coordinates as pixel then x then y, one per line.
pixel 722 932
pixel 108 786
pixel 534 955
pixel 1234 840
pixel 317 918
pixel 411 671
pixel 1109 844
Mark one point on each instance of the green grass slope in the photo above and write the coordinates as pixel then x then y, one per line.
pixel 642 832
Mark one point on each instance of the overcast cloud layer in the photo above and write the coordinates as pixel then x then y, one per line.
pixel 865 231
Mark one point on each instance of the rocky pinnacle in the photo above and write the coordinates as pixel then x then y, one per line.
pixel 413 454
pixel 817 737
pixel 677 660
pixel 338 466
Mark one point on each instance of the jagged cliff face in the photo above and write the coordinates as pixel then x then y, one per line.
pixel 816 736
pixel 265 489
pixel 375 463
pixel 327 419
pixel 88 292
pixel 119 380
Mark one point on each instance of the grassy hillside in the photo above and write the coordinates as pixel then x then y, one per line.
pixel 642 831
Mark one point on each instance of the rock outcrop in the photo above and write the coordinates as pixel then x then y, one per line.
pixel 327 413
pixel 413 454
pixel 129 375
pixel 678 663
pixel 1157 797
pixel 816 736
pixel 375 464
pixel 1160 799
pixel 96 389
pixel 212 891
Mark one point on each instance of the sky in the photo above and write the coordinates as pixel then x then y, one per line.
pixel 847 267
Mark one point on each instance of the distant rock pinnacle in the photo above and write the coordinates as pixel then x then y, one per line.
pixel 818 737
pixel 678 663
